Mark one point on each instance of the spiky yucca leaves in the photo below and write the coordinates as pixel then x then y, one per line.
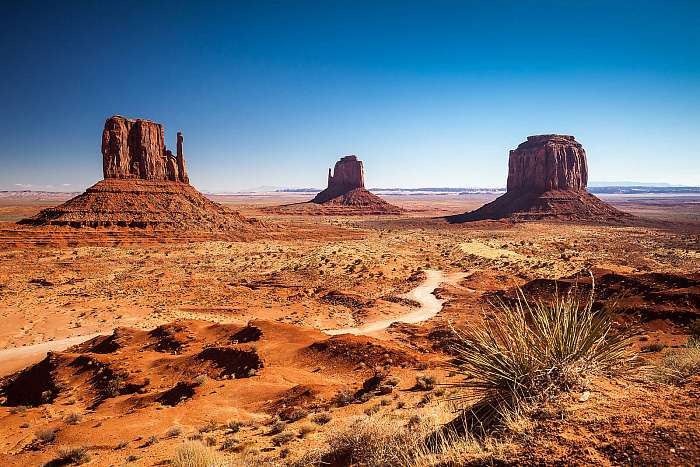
pixel 526 353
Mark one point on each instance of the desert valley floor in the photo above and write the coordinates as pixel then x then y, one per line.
pixel 244 345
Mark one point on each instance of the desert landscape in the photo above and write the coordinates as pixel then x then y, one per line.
pixel 349 234
pixel 147 324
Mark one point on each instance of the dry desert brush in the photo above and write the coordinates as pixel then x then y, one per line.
pixel 528 353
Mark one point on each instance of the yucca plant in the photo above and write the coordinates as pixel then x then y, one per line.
pixel 527 353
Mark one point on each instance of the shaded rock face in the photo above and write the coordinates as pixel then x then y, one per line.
pixel 348 174
pixel 547 162
pixel 135 148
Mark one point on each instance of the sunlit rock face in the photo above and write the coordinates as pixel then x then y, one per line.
pixel 135 148
pixel 547 162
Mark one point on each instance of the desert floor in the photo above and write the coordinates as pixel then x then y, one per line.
pixel 210 331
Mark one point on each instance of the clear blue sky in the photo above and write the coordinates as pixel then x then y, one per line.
pixel 426 93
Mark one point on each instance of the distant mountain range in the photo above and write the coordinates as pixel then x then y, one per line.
pixel 593 187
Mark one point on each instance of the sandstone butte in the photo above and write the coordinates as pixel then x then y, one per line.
pixel 346 191
pixel 547 179
pixel 144 186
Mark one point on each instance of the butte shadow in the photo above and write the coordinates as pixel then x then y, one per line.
pixel 345 195
pixel 144 186
pixel 547 178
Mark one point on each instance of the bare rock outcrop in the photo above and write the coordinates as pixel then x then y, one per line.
pixel 348 174
pixel 346 193
pixel 548 162
pixel 144 186
pixel 547 178
pixel 135 148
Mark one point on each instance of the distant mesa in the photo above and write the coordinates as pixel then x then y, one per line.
pixel 144 186
pixel 348 174
pixel 346 191
pixel 345 195
pixel 547 178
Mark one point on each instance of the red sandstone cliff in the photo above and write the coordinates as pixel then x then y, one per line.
pixel 547 178
pixel 135 148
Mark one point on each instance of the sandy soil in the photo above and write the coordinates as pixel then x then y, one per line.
pixel 401 279
pixel 428 306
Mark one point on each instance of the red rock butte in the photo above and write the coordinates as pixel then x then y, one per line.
pixel 144 186
pixel 135 148
pixel 346 191
pixel 547 179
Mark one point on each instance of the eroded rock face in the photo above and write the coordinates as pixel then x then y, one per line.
pixel 348 174
pixel 547 162
pixel 135 148
pixel 547 178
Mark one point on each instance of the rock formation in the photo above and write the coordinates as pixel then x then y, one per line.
pixel 144 186
pixel 547 178
pixel 345 194
pixel 548 162
pixel 136 149
pixel 348 174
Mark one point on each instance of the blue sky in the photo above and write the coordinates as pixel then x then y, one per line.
pixel 426 93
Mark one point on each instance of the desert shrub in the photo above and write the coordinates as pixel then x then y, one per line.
pixel 296 414
pixel 230 444
pixel 321 418
pixel 114 386
pixel 173 432
pixel 76 455
pixel 283 438
pixel 18 409
pixel 306 428
pixel 150 441
pixel 425 382
pixel 210 441
pixel 46 436
pixel 200 380
pixel 392 381
pixel 373 409
pixel 679 365
pixel 278 427
pixel 343 398
pixel 211 425
pixel 388 441
pixel 73 418
pixel 234 426
pixel 194 454
pixel 526 354
pixel 653 347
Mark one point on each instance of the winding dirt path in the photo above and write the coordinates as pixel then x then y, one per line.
pixel 17 358
pixel 430 305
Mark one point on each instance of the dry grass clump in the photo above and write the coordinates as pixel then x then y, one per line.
pixel 283 438
pixel 390 441
pixel 278 427
pixel 46 436
pixel 76 456
pixel 653 347
pixel 679 365
pixel 527 354
pixel 426 382
pixel 194 454
pixel 73 418
pixel 321 418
